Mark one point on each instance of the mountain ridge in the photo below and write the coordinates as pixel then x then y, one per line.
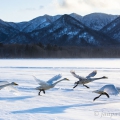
pixel 62 30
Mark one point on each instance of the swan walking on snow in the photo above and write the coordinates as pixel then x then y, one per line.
pixel 107 90
pixel 48 84
pixel 87 79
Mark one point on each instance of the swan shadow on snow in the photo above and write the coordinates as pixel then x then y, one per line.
pixel 54 109
pixel 15 98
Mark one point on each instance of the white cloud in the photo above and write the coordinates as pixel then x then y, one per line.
pixel 87 6
pixel 31 9
pixel 41 7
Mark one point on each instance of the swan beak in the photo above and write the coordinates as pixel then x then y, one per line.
pixel 106 77
pixel 67 79
pixel 16 84
pixel 94 91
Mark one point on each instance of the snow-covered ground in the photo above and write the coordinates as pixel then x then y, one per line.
pixel 60 102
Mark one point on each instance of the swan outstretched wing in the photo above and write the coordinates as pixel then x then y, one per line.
pixel 110 89
pixel 75 75
pixel 92 74
pixel 118 88
pixel 40 82
pixel 56 77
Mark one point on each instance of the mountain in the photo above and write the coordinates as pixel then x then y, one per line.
pixel 35 24
pixel 6 31
pixel 113 29
pixel 62 30
pixel 97 21
pixel 76 16
pixel 68 31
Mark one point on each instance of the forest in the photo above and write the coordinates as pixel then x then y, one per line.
pixel 54 51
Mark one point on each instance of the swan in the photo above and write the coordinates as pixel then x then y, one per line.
pixel 48 84
pixel 87 79
pixel 4 84
pixel 107 90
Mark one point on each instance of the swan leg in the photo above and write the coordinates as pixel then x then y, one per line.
pixel 76 84
pixel 97 97
pixel 100 95
pixel 39 92
pixel 106 94
pixel 43 91
pixel 85 86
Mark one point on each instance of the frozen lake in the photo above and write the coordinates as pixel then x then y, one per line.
pixel 61 102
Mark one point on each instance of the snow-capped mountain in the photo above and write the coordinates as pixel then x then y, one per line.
pixel 62 30
pixel 113 29
pixel 35 24
pixel 69 31
pixel 97 21
pixel 76 16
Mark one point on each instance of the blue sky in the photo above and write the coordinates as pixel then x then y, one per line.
pixel 25 10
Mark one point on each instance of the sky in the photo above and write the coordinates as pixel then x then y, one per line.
pixel 25 10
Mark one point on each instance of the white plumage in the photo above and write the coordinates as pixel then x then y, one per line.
pixel 107 90
pixel 87 79
pixel 48 84
pixel 4 84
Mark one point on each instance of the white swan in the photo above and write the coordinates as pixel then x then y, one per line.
pixel 48 84
pixel 87 79
pixel 107 90
pixel 4 84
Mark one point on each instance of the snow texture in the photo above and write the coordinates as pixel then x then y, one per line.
pixel 61 102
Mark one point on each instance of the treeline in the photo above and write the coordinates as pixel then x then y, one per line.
pixel 54 51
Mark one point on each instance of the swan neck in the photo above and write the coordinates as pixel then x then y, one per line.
pixel 57 82
pixel 97 78
pixel 6 85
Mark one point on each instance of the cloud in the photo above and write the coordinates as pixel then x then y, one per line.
pixel 94 3
pixel 41 7
pixel 101 3
pixel 63 3
pixel 30 9
pixel 84 7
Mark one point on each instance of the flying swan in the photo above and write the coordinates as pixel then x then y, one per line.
pixel 87 79
pixel 4 84
pixel 107 90
pixel 48 84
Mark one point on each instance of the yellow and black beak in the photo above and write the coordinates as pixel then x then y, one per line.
pixel 67 79
pixel 15 83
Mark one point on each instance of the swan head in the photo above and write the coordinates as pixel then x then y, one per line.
pixel 13 83
pixel 66 79
pixel 105 77
pixel 96 91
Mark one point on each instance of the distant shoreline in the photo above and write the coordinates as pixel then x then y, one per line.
pixel 31 51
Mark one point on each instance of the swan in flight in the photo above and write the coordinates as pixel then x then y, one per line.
pixel 4 84
pixel 48 84
pixel 87 79
pixel 107 90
